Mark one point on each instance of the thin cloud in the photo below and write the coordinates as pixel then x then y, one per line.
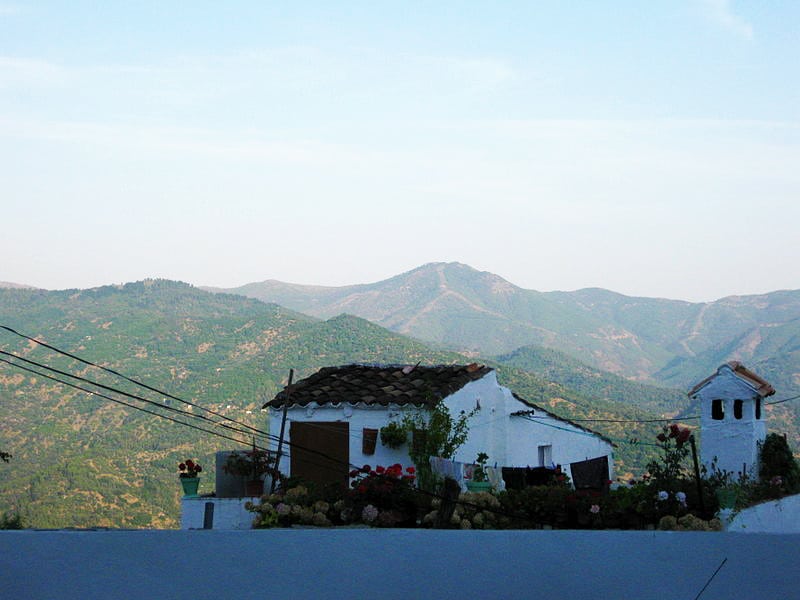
pixel 721 13
pixel 9 10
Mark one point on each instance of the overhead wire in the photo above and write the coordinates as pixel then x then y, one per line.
pixel 133 396
pixel 118 401
pixel 118 374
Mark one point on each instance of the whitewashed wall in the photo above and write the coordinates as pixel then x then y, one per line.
pixel 508 440
pixel 733 441
pixel 359 417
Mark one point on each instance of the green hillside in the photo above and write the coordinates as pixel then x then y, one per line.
pixel 82 461
pixel 558 367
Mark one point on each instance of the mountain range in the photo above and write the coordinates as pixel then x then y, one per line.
pixel 665 342
pixel 79 460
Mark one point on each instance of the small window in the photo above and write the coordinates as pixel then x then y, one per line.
pixel 545 456
pixel 737 409
pixel 717 410
pixel 758 408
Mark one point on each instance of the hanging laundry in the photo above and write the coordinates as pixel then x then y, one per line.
pixel 514 477
pixel 539 476
pixel 495 477
pixel 590 474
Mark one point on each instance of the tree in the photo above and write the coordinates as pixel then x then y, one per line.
pixel 435 433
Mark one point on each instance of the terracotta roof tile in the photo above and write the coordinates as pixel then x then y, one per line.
pixel 380 384
pixel 763 388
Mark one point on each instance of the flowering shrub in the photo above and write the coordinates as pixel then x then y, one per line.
pixel 670 473
pixel 689 523
pixel 383 496
pixel 189 468
pixel 294 506
pixel 380 497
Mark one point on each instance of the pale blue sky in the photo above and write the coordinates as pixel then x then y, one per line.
pixel 648 148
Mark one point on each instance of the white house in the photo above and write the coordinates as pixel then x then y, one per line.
pixel 732 418
pixel 333 414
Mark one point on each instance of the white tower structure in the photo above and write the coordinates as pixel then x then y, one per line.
pixel 732 418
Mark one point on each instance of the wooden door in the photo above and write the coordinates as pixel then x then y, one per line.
pixel 320 452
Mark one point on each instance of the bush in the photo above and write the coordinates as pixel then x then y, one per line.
pixel 777 463
pixel 11 521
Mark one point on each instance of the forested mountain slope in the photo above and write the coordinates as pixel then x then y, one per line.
pixel 669 342
pixel 82 461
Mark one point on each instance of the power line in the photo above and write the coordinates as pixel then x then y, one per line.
pixel 261 433
pixel 118 374
pixel 133 396
pixel 118 401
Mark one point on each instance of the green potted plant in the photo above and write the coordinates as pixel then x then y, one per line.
pixel 394 435
pixel 189 471
pixel 479 481
pixel 251 465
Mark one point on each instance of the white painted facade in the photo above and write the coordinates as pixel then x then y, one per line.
pixel 509 440
pixel 733 439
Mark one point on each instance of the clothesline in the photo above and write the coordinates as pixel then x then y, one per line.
pixel 590 473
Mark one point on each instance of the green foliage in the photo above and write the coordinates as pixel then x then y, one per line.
pixel 672 470
pixel 248 463
pixel 435 433
pixel 394 435
pixel 11 521
pixel 479 473
pixel 777 461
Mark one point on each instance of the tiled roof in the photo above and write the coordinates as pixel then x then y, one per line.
pixel 380 384
pixel 763 388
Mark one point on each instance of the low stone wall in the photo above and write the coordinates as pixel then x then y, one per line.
pixel 396 563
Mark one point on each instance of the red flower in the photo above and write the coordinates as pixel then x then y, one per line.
pixel 365 469
pixel 674 430
pixel 411 470
pixel 182 466
pixel 379 470
pixel 684 435
pixel 354 472
pixel 361 489
pixel 661 437
pixel 198 468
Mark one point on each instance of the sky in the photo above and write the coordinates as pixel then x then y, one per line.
pixel 648 148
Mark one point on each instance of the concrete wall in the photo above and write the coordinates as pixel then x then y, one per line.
pixel 227 513
pixel 395 564
pixel 509 441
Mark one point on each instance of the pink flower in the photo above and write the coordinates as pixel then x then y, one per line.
pixel 594 509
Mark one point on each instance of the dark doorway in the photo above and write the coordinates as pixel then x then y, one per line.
pixel 321 452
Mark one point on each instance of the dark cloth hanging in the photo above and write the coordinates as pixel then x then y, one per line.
pixel 539 476
pixel 518 478
pixel 590 474
pixel 514 477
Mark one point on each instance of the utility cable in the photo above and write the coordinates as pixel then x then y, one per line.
pixel 133 396
pixel 134 381
pixel 118 401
